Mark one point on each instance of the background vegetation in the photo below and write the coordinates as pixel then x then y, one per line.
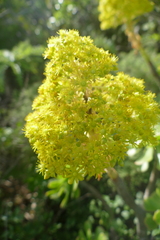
pixel 33 208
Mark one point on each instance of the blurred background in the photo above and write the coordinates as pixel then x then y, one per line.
pixel 32 208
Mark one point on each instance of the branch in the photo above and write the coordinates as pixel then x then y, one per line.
pixel 153 178
pixel 151 66
pixel 136 43
pixel 129 200
pixel 97 195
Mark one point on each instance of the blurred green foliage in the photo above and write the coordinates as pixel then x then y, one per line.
pixel 152 220
pixel 61 189
pixel 22 59
pixel 32 208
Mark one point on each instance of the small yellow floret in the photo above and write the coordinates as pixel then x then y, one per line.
pixel 84 118
pixel 115 12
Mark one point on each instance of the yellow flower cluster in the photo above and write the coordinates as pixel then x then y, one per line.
pixel 84 118
pixel 115 12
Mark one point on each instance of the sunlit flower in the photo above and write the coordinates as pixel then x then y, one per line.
pixel 115 12
pixel 84 118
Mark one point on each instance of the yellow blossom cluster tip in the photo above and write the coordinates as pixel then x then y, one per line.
pixel 115 12
pixel 85 118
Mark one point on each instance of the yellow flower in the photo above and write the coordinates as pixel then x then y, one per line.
pixel 115 12
pixel 84 118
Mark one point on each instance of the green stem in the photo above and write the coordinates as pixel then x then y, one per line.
pixel 97 195
pixel 153 178
pixel 151 66
pixel 123 191
pixel 136 43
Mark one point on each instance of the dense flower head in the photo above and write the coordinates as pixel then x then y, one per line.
pixel 115 12
pixel 85 118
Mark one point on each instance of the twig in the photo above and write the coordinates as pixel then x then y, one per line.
pixel 98 195
pixel 136 43
pixel 153 178
pixel 151 66
pixel 129 200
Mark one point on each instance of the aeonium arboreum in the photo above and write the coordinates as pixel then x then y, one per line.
pixel 85 118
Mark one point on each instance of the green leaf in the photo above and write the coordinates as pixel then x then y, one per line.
pixel 25 49
pixel 153 202
pixel 156 216
pixel 144 167
pixel 56 183
pixel 88 227
pixel 65 200
pixel 158 191
pixel 150 222
pixel 6 57
pixel 52 194
pixel 101 234
pixel 147 157
pixel 156 232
